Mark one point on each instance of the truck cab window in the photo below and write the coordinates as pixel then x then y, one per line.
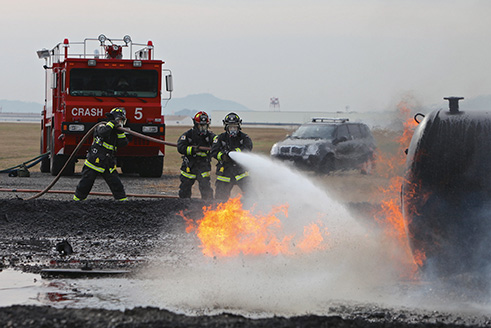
pixel 90 82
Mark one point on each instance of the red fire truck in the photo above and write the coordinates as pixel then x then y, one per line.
pixel 81 87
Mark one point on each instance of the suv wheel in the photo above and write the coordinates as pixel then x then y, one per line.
pixel 327 164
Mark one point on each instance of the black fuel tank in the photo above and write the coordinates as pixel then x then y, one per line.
pixel 446 195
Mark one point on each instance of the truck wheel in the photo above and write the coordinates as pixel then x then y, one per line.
pixel 151 167
pixel 57 162
pixel 45 165
pixel 45 162
pixel 129 164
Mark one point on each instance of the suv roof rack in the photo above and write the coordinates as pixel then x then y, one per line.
pixel 328 119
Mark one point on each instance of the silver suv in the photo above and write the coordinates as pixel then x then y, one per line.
pixel 328 144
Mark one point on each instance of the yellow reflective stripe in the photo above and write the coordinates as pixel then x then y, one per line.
pixel 205 174
pixel 219 156
pixel 240 176
pixel 189 150
pixel 110 124
pixel 112 170
pixel 123 199
pixel 202 154
pixel 238 149
pixel 188 175
pixel 121 136
pixel 222 178
pixel 93 167
pixel 107 146
pixel 76 198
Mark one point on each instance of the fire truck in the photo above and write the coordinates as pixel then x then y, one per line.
pixel 96 76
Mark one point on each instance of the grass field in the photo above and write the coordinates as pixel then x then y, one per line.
pixel 19 142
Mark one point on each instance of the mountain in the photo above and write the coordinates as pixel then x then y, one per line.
pixel 189 105
pixel 16 106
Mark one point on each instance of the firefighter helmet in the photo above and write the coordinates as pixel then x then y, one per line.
pixel 231 124
pixel 201 122
pixel 116 113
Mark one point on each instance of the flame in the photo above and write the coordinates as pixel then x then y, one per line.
pixel 390 216
pixel 230 230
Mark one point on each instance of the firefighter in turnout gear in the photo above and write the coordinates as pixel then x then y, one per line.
pixel 101 157
pixel 196 160
pixel 229 173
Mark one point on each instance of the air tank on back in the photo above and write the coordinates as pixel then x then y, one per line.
pixel 447 190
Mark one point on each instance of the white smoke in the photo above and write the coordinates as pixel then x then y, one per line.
pixel 355 266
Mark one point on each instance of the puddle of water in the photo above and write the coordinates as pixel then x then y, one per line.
pixel 19 288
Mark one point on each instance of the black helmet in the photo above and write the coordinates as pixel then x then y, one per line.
pixel 116 112
pixel 232 119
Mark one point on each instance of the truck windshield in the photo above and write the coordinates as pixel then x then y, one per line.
pixel 314 131
pixel 92 82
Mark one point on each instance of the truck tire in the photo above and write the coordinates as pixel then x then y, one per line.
pixel 129 164
pixel 45 165
pixel 45 162
pixel 57 162
pixel 151 167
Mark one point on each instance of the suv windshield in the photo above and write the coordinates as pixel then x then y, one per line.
pixel 92 82
pixel 315 131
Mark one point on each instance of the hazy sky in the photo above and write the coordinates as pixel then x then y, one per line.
pixel 312 54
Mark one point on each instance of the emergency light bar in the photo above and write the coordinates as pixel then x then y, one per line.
pixel 328 119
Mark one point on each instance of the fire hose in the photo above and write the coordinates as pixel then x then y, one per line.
pixel 136 134
pixel 26 164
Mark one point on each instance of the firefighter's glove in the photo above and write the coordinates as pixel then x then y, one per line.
pixel 225 156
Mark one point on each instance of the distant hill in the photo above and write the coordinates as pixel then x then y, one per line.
pixel 189 105
pixel 186 106
pixel 16 106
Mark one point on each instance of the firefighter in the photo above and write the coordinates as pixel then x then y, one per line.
pixel 101 157
pixel 229 173
pixel 196 161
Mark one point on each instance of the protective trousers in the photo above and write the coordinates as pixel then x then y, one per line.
pixel 187 182
pixel 88 178
pixel 226 180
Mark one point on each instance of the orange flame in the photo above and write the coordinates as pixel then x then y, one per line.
pixel 390 215
pixel 230 230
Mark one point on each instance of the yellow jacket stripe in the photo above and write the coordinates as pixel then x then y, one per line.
pixel 121 135
pixel 241 176
pixel 110 124
pixel 189 150
pixel 108 146
pixel 222 178
pixel 188 175
pixel 93 167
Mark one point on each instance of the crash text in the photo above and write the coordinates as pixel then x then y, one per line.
pixel 87 111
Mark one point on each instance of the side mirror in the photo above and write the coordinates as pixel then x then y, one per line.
pixel 169 85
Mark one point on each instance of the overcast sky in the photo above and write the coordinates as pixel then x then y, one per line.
pixel 313 55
